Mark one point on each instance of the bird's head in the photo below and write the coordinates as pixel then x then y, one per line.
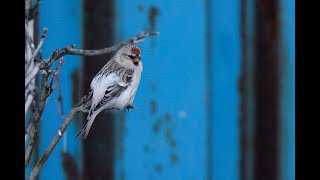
pixel 130 56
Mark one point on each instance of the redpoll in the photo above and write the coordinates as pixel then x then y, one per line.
pixel 115 85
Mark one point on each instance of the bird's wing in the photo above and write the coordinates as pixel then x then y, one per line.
pixel 109 87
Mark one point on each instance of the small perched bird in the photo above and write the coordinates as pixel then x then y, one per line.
pixel 115 85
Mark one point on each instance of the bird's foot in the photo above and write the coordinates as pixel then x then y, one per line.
pixel 130 106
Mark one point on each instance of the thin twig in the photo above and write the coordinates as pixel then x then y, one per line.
pixel 55 140
pixel 56 71
pixel 77 108
pixel 43 37
pixel 45 93
pixel 60 102
pixel 35 69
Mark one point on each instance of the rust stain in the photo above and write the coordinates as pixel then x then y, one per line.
pixel 121 129
pixel 161 122
pixel 158 168
pixel 153 107
pixel 76 93
pixel 174 159
pixel 140 8
pixel 266 90
pixel 76 86
pixel 146 149
pixel 241 88
pixel 169 137
pixel 153 13
pixel 69 166
pixel 167 117
pixel 153 87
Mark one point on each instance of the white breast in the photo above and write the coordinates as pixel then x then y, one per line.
pixel 128 95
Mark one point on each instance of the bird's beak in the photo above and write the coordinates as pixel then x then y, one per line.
pixel 136 60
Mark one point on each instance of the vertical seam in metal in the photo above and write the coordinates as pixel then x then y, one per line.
pixel 250 91
pixel 208 75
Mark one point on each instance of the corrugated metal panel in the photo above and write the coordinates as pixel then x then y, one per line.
pixel 98 147
pixel 226 56
pixel 247 89
pixel 266 82
pixel 287 91
pixel 165 137
pixel 64 28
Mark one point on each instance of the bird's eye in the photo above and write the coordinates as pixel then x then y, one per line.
pixel 130 56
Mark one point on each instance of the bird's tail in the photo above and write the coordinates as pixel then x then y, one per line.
pixel 86 127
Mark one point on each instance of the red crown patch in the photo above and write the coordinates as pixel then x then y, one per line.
pixel 135 51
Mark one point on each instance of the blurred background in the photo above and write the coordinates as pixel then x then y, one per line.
pixel 216 99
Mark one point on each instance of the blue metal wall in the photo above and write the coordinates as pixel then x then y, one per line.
pixel 187 122
pixel 166 137
pixel 226 57
pixel 174 81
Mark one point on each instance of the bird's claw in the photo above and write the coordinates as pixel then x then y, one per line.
pixel 129 107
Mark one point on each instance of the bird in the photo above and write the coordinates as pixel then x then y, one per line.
pixel 114 87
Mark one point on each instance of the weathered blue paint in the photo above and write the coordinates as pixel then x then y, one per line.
pixel 165 138
pixel 287 91
pixel 64 22
pixel 249 94
pixel 226 58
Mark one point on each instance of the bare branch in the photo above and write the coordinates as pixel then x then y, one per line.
pixel 35 69
pixel 33 11
pixel 32 74
pixel 27 132
pixel 28 103
pixel 70 50
pixel 56 71
pixel 45 93
pixel 29 36
pixel 42 38
pixel 28 4
pixel 55 140
pixel 47 63
pixel 32 134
